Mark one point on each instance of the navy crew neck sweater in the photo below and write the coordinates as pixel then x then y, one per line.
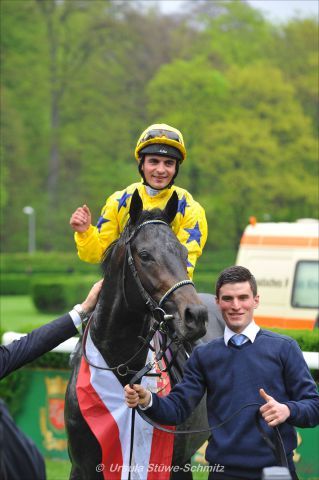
pixel 232 376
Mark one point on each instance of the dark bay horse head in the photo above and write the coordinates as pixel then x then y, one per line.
pixel 161 263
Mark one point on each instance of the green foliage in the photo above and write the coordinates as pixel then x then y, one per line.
pixel 237 34
pixel 293 50
pixel 55 295
pixel 56 360
pixel 46 263
pixel 19 314
pixel 18 271
pixel 57 469
pixel 308 340
pixel 81 80
pixel 12 389
pixel 15 284
pixel 208 267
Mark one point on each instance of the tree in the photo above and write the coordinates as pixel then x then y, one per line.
pixel 295 51
pixel 191 94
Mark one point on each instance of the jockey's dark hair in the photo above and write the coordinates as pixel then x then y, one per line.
pixel 236 274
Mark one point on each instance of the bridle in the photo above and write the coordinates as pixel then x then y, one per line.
pixel 149 301
pixel 160 317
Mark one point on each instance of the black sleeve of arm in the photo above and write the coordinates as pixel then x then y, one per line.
pixel 35 344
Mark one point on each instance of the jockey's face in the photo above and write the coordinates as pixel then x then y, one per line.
pixel 158 170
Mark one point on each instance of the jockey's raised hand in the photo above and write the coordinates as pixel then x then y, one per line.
pixel 137 395
pixel 81 219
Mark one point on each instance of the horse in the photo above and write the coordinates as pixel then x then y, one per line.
pixel 145 271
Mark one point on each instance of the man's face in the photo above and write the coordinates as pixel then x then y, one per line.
pixel 158 170
pixel 237 303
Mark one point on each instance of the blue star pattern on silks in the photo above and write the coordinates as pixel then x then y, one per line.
pixel 100 222
pixel 189 264
pixel 194 234
pixel 182 204
pixel 122 200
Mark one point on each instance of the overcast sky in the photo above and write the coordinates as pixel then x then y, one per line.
pixel 275 10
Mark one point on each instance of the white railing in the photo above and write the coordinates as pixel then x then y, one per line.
pixel 312 358
pixel 64 347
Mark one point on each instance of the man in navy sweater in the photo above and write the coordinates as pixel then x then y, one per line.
pixel 234 376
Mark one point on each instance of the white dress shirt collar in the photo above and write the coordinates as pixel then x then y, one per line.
pixel 250 331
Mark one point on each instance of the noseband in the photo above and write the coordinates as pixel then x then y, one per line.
pixel 154 307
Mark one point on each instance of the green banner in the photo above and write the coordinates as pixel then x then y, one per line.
pixel 42 415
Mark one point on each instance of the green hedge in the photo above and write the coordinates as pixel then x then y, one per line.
pixel 308 340
pixel 55 295
pixel 19 271
pixel 214 261
pixel 45 263
pixel 15 284
pixel 12 390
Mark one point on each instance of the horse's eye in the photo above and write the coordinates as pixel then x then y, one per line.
pixel 145 256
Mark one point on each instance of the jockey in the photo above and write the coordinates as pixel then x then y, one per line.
pixel 160 151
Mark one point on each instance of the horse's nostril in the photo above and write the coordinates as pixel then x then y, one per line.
pixel 196 313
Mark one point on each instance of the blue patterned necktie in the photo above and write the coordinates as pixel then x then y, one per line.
pixel 238 339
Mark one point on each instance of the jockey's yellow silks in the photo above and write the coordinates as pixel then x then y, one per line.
pixel 189 225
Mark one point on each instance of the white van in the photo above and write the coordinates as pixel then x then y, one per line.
pixel 284 258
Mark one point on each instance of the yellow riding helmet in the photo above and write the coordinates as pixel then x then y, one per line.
pixel 161 139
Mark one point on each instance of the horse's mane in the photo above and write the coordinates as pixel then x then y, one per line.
pixel 154 214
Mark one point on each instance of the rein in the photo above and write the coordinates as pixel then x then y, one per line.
pixel 150 303
pixel 277 446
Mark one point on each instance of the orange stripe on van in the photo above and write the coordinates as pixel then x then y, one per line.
pixel 278 322
pixel 280 241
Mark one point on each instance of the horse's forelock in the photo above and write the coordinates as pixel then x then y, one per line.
pixel 154 214
pixel 146 215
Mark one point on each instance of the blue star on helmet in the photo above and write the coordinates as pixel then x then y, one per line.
pixel 194 234
pixel 182 204
pixel 122 200
pixel 100 222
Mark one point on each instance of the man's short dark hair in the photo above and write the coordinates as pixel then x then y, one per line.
pixel 236 274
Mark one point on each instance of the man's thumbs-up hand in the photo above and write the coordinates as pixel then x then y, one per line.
pixel 273 412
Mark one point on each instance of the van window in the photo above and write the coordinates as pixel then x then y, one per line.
pixel 305 292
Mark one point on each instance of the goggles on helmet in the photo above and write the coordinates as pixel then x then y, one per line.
pixel 161 134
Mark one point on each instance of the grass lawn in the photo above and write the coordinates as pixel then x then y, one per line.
pixel 60 470
pixel 17 313
pixel 57 469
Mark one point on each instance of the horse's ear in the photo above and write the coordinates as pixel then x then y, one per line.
pixel 171 207
pixel 136 207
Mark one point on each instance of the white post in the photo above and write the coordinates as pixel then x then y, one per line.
pixel 31 227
